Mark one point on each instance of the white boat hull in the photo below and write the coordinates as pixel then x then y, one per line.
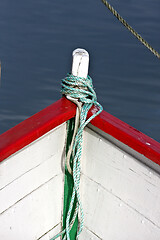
pixel 31 189
pixel 120 194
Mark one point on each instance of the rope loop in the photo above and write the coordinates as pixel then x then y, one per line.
pixel 79 88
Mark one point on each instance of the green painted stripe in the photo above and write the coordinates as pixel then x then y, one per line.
pixel 68 185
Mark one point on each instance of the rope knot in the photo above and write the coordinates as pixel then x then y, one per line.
pixel 79 88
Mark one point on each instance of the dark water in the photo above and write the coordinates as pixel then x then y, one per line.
pixel 37 39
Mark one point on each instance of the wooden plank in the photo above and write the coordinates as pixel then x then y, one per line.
pixel 51 233
pixel 34 127
pixel 33 155
pixel 32 188
pixel 127 149
pixel 127 135
pixel 30 181
pixel 88 235
pixel 108 217
pixel 35 214
pixel 122 175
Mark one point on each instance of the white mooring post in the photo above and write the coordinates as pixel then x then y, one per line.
pixel 80 63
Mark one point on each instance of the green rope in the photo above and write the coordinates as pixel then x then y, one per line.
pixel 82 90
pixel 145 43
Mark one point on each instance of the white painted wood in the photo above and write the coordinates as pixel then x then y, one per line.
pixel 122 180
pixel 109 217
pixel 35 214
pixel 88 235
pixel 80 63
pixel 32 155
pixel 31 194
pixel 50 234
pixel 30 181
pixel 127 149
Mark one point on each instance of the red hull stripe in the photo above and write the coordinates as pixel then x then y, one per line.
pixel 34 127
pixel 128 135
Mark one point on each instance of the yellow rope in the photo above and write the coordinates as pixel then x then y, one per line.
pixel 145 43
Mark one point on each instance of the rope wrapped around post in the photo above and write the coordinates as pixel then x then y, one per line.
pixel 78 89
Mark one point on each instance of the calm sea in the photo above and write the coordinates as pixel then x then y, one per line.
pixel 37 39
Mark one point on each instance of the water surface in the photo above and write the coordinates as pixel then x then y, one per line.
pixel 36 42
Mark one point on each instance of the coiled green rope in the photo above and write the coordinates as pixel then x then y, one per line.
pixel 82 90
